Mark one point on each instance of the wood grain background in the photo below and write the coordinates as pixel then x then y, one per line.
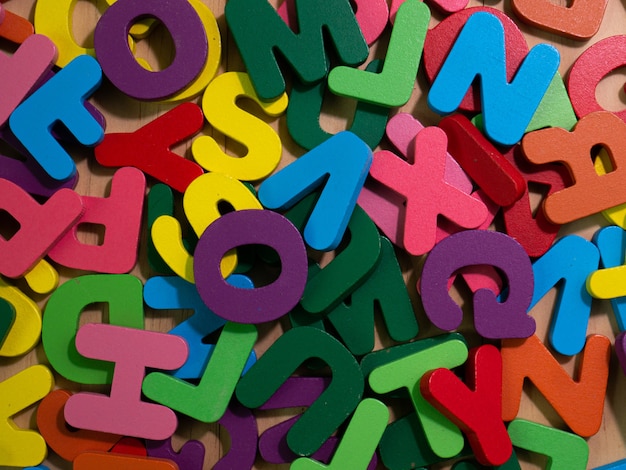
pixel 124 114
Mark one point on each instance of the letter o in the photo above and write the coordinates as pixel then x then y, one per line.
pixel 119 64
pixel 246 227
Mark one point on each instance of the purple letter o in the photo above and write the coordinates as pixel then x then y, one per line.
pixel 121 67
pixel 247 227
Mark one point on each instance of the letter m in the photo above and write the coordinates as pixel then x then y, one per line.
pixel 260 33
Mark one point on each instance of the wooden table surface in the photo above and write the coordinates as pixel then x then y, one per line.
pixel 124 114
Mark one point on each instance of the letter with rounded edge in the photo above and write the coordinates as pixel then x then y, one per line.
pixel 207 401
pixel 132 351
pixel 359 441
pixel 54 429
pixel 119 64
pixel 122 292
pixel 533 230
pixel 148 148
pixel 579 20
pixel 372 16
pixel 41 226
pixel 333 406
pixel 54 19
pixel 107 461
pixel 201 205
pixel 214 56
pixel 250 227
pixel 383 290
pixel 579 402
pixel 476 408
pixel 501 181
pixel 21 71
pixel 175 293
pixel 240 423
pixel 573 150
pixel 60 99
pixel 339 166
pixel 394 85
pixel 326 288
pixel 421 182
pixel 492 318
pixel 566 266
pixel 444 438
pixel 121 214
pixel 564 450
pixel 305 108
pixel 595 63
pixel 262 143
pixel 610 242
pixel 26 330
pixel 508 107
pixel 189 457
pixel 259 32
pixel 22 447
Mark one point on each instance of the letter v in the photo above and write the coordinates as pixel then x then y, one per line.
pixel 338 165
